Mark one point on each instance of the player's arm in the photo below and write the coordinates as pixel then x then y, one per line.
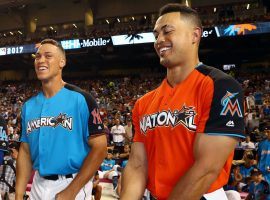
pixel 90 165
pixel 210 153
pixel 135 174
pixel 221 104
pixel 23 170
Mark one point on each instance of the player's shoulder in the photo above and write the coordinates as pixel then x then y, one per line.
pixel 80 92
pixel 218 76
pixel 77 90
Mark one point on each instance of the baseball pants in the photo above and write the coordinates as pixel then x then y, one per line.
pixel 43 189
pixel 216 195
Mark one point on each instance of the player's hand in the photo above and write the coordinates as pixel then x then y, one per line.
pixel 65 195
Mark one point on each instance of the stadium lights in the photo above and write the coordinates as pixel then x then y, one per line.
pixel 11 33
pixel 215 9
pixel 248 5
pixel 118 20
pixel 107 21
pixel 74 25
pixel 20 32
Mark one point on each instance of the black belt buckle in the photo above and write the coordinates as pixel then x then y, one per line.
pixel 56 177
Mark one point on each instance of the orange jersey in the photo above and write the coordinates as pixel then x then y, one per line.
pixel 167 120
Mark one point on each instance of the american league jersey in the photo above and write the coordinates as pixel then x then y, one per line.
pixel 57 129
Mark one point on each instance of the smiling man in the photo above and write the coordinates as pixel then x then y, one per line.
pixel 187 128
pixel 62 134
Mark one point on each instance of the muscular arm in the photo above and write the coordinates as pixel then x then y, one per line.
pixel 135 174
pixel 210 153
pixel 23 170
pixel 90 166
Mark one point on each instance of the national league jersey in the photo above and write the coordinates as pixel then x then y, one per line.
pixel 168 119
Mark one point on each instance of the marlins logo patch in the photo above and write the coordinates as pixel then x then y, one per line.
pixel 231 105
pixel 185 116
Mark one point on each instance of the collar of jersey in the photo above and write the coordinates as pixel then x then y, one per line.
pixel 53 97
pixel 165 86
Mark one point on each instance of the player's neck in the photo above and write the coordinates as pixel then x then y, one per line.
pixel 178 74
pixel 50 88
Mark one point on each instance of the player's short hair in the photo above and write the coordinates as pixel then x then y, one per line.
pixel 186 12
pixel 55 43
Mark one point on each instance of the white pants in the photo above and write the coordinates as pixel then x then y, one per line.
pixel 216 195
pixel 43 189
pixel 110 175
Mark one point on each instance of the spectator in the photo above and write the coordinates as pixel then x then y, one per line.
pixel 258 189
pixel 263 156
pixel 128 131
pixel 8 173
pixel 109 169
pixel 247 144
pixel 125 155
pixel 3 138
pixel 250 101
pixel 97 189
pixel 234 179
pixel 248 165
pixel 118 132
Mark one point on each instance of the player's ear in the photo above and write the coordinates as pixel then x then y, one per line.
pixel 197 33
pixel 62 63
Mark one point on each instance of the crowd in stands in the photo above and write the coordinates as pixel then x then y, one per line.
pixel 116 98
pixel 211 16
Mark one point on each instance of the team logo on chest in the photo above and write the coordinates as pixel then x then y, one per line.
pixel 185 117
pixel 60 120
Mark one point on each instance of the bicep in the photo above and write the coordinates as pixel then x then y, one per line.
pixel 24 148
pixel 137 157
pixel 212 152
pixel 98 141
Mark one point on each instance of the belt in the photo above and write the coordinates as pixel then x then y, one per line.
pixel 56 177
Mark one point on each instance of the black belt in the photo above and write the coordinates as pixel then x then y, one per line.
pixel 56 177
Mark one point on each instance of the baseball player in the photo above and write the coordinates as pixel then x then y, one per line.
pixel 187 128
pixel 62 134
